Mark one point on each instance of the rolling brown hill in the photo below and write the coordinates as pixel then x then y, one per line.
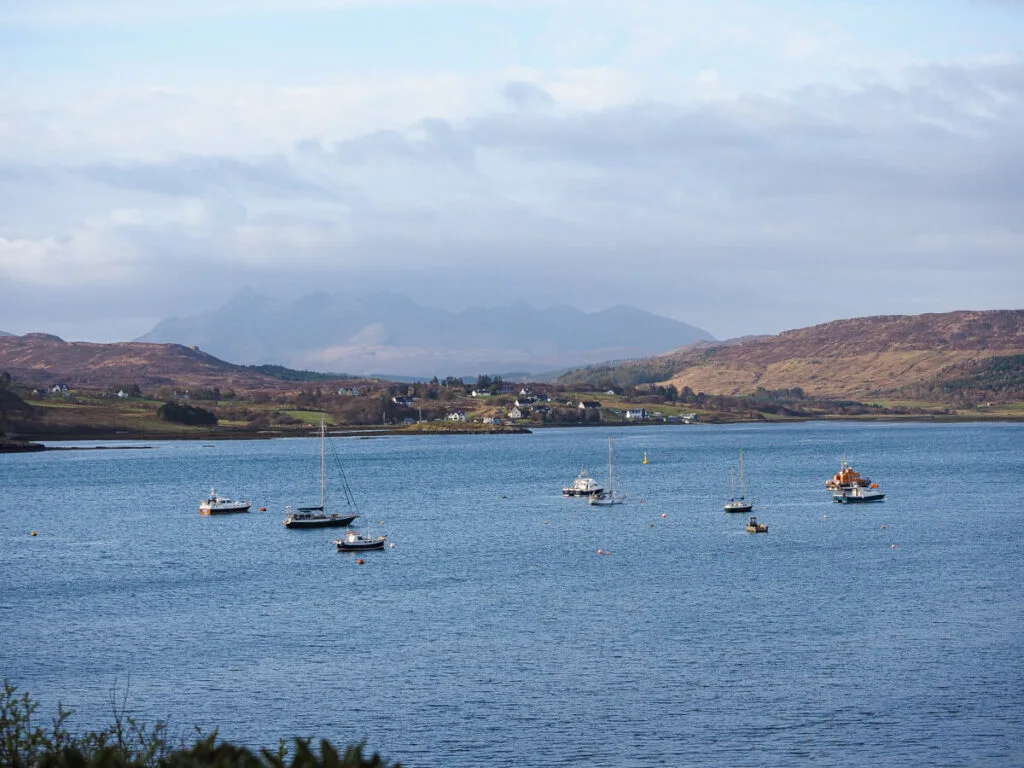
pixel 42 360
pixel 856 359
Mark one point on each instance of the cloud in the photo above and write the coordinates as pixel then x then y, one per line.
pixel 526 96
pixel 579 182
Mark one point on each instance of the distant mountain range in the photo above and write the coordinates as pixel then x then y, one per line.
pixel 931 357
pixel 916 355
pixel 387 334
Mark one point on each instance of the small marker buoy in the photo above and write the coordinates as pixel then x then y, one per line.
pixel 826 517
pixel 545 522
pixel 883 527
pixel 360 561
pixel 263 509
pixel 641 501
pixel 652 525
pixel 600 551
pixel 664 515
pixel 33 533
pixel 392 545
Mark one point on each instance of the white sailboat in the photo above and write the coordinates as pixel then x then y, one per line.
pixel 317 517
pixel 740 504
pixel 609 497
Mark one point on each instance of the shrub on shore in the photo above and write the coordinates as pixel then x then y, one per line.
pixel 127 744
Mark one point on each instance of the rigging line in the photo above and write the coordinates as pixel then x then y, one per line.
pixel 350 498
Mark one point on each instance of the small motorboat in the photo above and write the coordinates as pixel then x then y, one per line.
pixel 858 495
pixel 354 541
pixel 221 505
pixel 755 527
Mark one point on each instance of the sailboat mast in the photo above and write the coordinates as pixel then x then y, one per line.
pixel 323 463
pixel 611 480
pixel 742 492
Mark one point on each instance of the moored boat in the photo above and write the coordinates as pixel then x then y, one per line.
pixel 847 477
pixel 354 541
pixel 221 505
pixel 740 504
pixel 608 498
pixel 858 495
pixel 755 527
pixel 317 516
pixel 583 485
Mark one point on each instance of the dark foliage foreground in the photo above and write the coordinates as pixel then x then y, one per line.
pixel 126 744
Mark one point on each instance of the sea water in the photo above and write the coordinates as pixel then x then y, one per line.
pixel 494 633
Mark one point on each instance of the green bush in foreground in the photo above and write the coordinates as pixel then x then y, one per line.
pixel 126 744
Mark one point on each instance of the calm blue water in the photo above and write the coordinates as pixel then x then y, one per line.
pixel 493 633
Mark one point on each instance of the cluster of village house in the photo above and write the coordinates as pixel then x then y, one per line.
pixel 63 389
pixel 528 403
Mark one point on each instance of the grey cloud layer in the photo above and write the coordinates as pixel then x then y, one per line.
pixel 927 176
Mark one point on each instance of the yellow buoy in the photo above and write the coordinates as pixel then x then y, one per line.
pixel 645 457
pixel 33 533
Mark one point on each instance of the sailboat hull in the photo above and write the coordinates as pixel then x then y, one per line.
pixel 606 501
pixel 334 521
pixel 738 506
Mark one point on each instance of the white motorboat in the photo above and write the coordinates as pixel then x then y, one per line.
pixel 221 505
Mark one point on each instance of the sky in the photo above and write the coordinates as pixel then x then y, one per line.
pixel 743 166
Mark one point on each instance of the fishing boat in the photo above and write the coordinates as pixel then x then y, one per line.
pixel 755 527
pixel 583 485
pixel 318 517
pixel 847 478
pixel 740 504
pixel 354 541
pixel 609 497
pixel 858 495
pixel 221 505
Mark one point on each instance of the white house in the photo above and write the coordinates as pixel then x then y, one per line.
pixel 456 416
pixel 636 414
pixel 519 413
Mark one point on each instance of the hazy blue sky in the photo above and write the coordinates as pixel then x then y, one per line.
pixel 744 166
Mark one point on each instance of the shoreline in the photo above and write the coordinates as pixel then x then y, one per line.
pixel 34 442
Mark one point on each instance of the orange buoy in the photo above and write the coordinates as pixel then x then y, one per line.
pixel 263 509
pixel 360 561
pixel 600 551
pixel 664 515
